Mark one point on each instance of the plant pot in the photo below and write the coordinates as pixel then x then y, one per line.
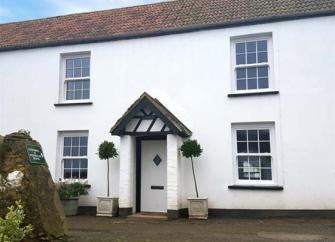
pixel 108 207
pixel 198 208
pixel 70 206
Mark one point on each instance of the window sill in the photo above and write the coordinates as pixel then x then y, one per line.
pixel 256 187
pixel 246 94
pixel 73 104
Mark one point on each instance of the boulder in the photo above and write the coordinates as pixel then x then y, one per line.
pixel 32 184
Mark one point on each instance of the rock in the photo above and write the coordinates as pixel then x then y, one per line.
pixel 32 184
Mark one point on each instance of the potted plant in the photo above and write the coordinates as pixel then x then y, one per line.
pixel 107 206
pixel 69 193
pixel 197 207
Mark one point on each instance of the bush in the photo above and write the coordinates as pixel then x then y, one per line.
pixel 70 190
pixel 11 229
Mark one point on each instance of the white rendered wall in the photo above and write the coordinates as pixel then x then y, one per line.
pixel 191 75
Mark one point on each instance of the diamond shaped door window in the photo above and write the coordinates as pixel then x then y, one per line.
pixel 157 160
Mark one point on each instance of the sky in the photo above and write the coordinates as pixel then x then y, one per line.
pixel 19 10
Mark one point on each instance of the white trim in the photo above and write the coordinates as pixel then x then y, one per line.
pixel 274 163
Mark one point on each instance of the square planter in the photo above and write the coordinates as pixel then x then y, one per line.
pixel 108 207
pixel 70 206
pixel 198 208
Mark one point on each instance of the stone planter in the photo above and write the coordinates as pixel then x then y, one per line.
pixel 198 208
pixel 108 207
pixel 70 206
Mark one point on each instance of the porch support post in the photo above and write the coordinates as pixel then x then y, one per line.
pixel 127 175
pixel 172 176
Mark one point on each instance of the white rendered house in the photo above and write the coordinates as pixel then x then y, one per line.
pixel 252 81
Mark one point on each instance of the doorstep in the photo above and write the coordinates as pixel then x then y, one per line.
pixel 147 215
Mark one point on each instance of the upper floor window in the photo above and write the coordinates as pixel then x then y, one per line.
pixel 76 76
pixel 252 63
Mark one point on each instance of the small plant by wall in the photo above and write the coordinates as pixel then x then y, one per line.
pixel 11 227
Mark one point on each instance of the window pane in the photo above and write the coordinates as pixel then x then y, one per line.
pixel 262 45
pixel 252 83
pixel 78 85
pixel 241 73
pixel 70 85
pixel 83 151
pixel 75 141
pixel 254 161
pixel 77 63
pixel 266 174
pixel 252 72
pixel 75 151
pixel 67 173
pixel 251 46
pixel 240 59
pixel 83 163
pixel 75 163
pixel 255 176
pixel 67 141
pixel 264 134
pixel 67 151
pixel 241 135
pixel 77 72
pixel 86 94
pixel 253 135
pixel 242 147
pixel 251 58
pixel 86 62
pixel 83 141
pixel 83 174
pixel 241 84
pixel 69 95
pixel 86 84
pixel 264 147
pixel 266 161
pixel 262 57
pixel 242 161
pixel 253 147
pixel 67 163
pixel 69 64
pixel 242 174
pixel 263 71
pixel 85 72
pixel 240 48
pixel 75 173
pixel 69 73
pixel 78 94
pixel 263 83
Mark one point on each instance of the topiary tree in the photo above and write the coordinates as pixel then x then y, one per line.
pixel 191 149
pixel 107 151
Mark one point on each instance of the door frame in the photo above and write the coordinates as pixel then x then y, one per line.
pixel 139 165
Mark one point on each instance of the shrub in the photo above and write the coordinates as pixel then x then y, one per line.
pixel 11 228
pixel 70 190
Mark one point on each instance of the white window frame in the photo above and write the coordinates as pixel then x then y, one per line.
pixel 274 164
pixel 269 64
pixel 61 156
pixel 63 79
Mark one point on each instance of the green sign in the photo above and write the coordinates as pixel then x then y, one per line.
pixel 35 154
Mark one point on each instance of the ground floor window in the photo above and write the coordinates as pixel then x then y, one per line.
pixel 253 152
pixel 74 155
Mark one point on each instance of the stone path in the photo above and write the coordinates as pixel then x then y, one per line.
pixel 85 228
